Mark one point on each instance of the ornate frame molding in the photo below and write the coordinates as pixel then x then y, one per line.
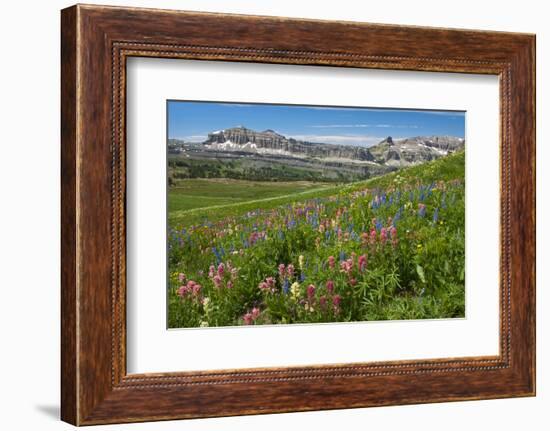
pixel 96 41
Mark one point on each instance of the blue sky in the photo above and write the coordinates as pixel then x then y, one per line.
pixel 192 121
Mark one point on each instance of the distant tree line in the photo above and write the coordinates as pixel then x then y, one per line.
pixel 182 169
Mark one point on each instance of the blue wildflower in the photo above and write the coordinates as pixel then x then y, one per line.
pixel 217 254
pixel 286 286
pixel 342 256
pixel 421 210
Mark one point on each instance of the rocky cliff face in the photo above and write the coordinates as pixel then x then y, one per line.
pixel 270 142
pixel 415 150
pixel 389 152
pixel 242 136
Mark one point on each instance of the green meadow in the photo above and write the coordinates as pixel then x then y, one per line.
pixel 262 252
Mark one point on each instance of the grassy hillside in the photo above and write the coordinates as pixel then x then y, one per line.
pixel 195 199
pixel 386 248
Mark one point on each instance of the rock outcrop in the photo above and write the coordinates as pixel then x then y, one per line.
pixel 269 142
pixel 389 152
pixel 415 150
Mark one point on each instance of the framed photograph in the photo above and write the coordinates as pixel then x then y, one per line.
pixel 263 214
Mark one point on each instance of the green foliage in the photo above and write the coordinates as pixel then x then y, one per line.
pixel 383 249
pixel 255 169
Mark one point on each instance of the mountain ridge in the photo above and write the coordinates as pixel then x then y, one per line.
pixel 242 153
pixel 402 152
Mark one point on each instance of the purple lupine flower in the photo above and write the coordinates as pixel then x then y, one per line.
pixel 286 286
pixel 421 210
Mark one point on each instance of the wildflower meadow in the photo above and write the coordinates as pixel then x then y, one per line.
pixel 387 248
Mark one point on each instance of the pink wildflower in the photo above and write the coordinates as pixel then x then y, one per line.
pixel 330 286
pixel 362 262
pixel 282 270
pixel 372 235
pixel 211 271
pixel 255 313
pixel 290 270
pixel 352 281
pixel 393 235
pixel 217 280
pixel 270 283
pixel 181 277
pixel 346 266
pixel 336 300
pixel 196 289
pixel 383 234
pixel 182 291
pixel 310 291
pixel 323 301
pixel 229 284
pixel 221 269
pixel 331 261
pixel 248 319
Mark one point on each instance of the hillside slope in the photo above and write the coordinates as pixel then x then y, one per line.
pixel 384 249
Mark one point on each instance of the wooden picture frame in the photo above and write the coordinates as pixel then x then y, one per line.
pixel 95 43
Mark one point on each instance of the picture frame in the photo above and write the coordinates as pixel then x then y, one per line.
pixel 96 42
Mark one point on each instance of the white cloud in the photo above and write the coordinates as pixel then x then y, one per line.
pixel 337 126
pixel 355 140
pixel 457 114
pixel 190 138
pixel 384 126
